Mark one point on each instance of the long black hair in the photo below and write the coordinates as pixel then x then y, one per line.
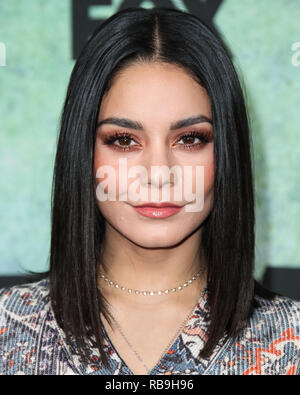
pixel 182 39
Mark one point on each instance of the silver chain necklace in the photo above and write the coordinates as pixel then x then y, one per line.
pixel 165 350
pixel 150 293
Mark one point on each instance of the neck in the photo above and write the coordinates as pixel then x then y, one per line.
pixel 152 269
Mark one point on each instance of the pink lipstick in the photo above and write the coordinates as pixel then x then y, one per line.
pixel 158 210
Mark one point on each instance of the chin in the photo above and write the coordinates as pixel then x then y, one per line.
pixel 160 238
pixel 155 242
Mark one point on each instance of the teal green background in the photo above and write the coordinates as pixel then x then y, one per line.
pixel 33 85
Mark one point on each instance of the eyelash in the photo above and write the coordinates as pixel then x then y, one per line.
pixel 205 138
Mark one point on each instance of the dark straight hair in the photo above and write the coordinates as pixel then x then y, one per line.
pixel 182 39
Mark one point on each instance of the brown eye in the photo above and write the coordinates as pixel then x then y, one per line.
pixel 121 141
pixel 194 140
pixel 188 139
pixel 125 140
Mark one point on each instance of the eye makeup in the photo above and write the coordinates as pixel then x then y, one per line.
pixel 124 136
pixel 204 137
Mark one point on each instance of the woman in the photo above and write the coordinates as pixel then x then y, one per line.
pixel 151 290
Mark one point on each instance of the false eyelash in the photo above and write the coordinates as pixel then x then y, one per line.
pixel 204 136
pixel 111 139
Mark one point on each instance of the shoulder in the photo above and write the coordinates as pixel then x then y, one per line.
pixel 21 301
pixel 23 309
pixel 280 311
pixel 271 341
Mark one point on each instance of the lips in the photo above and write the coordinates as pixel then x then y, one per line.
pixel 158 210
pixel 159 205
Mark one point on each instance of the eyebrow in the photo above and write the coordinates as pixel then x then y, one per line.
pixel 131 124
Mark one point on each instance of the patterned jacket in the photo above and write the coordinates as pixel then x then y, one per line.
pixel 32 343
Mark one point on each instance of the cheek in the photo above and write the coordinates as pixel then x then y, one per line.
pixel 209 175
pixel 101 158
pixel 209 172
pixel 207 162
pixel 104 158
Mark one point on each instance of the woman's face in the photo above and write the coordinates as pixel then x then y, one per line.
pixel 156 96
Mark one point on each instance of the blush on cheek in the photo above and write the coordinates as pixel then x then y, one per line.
pixel 108 180
pixel 208 177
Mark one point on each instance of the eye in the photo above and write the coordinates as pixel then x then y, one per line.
pixel 125 141
pixel 194 139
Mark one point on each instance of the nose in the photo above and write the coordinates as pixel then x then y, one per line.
pixel 158 163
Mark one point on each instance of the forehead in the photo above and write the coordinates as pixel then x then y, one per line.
pixel 154 93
